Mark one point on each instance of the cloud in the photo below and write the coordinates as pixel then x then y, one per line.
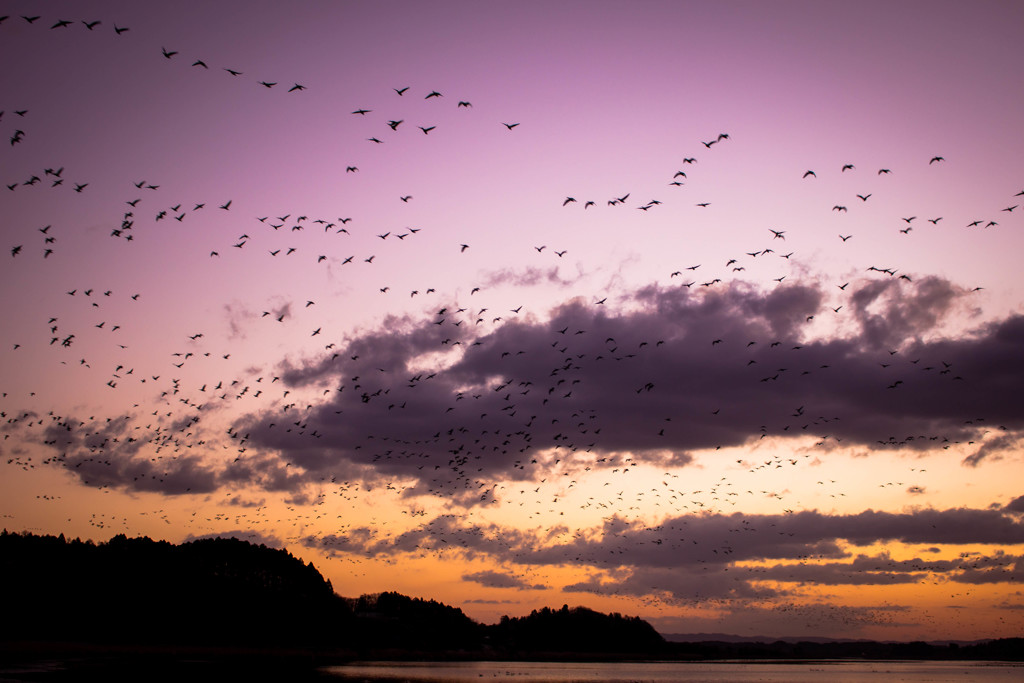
pixel 1015 505
pixel 715 556
pixel 530 276
pixel 992 449
pixel 494 579
pixel 450 405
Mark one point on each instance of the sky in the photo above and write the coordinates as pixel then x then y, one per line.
pixel 709 313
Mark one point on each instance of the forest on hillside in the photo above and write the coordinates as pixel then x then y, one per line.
pixel 232 594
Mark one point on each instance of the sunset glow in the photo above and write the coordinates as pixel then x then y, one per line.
pixel 709 313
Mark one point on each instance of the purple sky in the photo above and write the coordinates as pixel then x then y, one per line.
pixel 705 312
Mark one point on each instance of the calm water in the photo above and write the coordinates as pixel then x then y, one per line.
pixel 685 672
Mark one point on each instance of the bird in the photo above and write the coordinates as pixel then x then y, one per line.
pixel 266 84
pixel 433 93
pixel 510 126
pixel 168 53
pixel 810 173
pixel 934 159
pixel 401 91
pixel 201 63
pixel 296 87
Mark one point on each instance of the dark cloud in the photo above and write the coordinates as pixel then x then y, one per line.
pixel 494 579
pixel 454 404
pixel 718 556
pixel 890 314
pixel 683 371
pixel 992 449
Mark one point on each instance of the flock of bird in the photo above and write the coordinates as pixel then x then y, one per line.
pixel 527 441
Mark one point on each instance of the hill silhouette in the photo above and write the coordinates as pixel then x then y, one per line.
pixel 227 595
pixel 576 630
pixel 224 592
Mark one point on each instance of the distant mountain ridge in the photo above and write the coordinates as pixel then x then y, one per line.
pixel 733 638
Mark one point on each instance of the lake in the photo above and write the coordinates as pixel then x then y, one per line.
pixel 682 672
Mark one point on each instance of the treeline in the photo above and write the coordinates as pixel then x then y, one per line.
pixel 227 593
pixel 223 592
